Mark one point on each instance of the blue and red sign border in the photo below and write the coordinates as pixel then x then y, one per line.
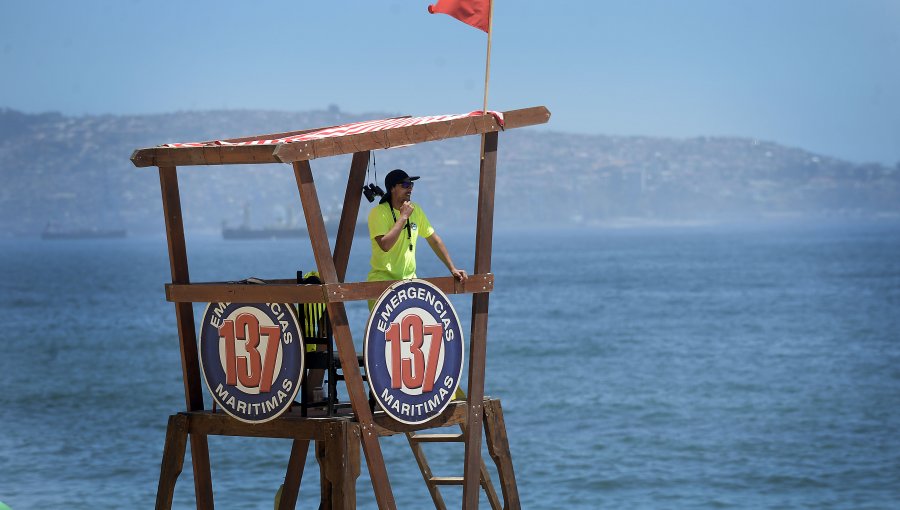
pixel 214 373
pixel 374 348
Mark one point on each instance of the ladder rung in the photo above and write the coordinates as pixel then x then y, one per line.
pixel 447 480
pixel 437 438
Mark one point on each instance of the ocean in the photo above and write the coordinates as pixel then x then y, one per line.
pixel 708 367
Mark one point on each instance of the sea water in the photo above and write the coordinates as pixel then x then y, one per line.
pixel 750 367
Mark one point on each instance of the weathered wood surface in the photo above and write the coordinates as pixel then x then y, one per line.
pixel 245 293
pixel 300 151
pixel 343 338
pixel 286 426
pixel 427 474
pixel 288 291
pixel 498 449
pixel 213 155
pixel 190 365
pixel 341 464
pixel 415 443
pixel 172 461
pixel 484 231
pixel 294 474
pixel 454 414
pixel 349 212
pixel 359 291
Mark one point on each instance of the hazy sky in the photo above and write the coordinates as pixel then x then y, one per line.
pixel 823 75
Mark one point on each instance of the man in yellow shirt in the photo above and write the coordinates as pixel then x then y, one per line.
pixel 395 226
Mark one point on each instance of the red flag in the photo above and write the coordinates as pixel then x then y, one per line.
pixel 476 13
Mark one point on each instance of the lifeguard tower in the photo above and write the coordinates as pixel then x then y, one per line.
pixel 339 436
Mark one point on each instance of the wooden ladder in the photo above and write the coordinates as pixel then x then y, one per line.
pixel 433 482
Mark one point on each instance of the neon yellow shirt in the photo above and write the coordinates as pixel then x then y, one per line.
pixel 398 263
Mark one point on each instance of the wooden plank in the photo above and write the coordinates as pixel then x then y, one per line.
pixel 484 231
pixel 294 473
pixel 172 461
pixel 341 463
pixel 489 488
pixel 300 151
pixel 436 438
pixel 485 477
pixel 526 117
pixel 216 155
pixel 425 469
pixel 358 291
pixel 284 427
pixel 245 293
pixel 498 448
pixel 447 480
pixel 455 414
pixel 290 292
pixel 190 367
pixel 343 338
pixel 179 269
pixel 349 212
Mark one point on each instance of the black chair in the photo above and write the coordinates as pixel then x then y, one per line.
pixel 321 359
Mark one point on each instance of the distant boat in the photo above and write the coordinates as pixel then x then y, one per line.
pixel 53 233
pixel 282 230
pixel 246 232
pixel 285 230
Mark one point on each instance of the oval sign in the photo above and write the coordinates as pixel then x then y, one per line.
pixel 252 358
pixel 413 351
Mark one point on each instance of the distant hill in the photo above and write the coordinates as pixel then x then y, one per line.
pixel 74 172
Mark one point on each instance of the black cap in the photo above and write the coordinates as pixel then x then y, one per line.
pixel 393 178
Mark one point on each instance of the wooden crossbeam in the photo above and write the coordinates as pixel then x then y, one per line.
pixel 288 291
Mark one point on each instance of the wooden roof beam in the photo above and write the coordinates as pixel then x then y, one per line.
pixel 333 146
pixel 409 135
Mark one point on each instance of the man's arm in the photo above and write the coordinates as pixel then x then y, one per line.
pixel 440 250
pixel 388 240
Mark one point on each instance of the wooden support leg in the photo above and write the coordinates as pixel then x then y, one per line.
pixel 484 232
pixel 172 461
pixel 498 448
pixel 324 483
pixel 184 314
pixel 294 474
pixel 486 480
pixel 341 464
pixel 344 339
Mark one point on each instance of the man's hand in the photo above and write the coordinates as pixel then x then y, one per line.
pixel 459 274
pixel 406 210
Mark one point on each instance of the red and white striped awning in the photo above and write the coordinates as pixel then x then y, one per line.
pixel 345 130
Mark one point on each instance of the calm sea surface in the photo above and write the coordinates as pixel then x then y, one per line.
pixel 676 368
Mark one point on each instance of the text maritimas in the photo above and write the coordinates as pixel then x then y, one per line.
pixel 415 410
pixel 254 409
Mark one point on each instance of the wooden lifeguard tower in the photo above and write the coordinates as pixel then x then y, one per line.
pixel 339 436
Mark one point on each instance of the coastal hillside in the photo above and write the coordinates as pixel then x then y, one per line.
pixel 74 172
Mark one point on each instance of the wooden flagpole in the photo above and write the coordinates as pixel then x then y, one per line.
pixel 487 67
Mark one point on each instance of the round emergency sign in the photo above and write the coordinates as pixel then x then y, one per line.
pixel 252 358
pixel 413 351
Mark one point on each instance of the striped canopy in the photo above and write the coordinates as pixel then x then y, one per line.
pixel 368 126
